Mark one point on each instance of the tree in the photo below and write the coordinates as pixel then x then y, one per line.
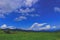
pixel 8 31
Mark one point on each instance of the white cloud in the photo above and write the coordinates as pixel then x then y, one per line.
pixel 36 25
pixel 30 2
pixel 27 10
pixel 11 27
pixel 57 9
pixel 7 6
pixel 20 18
pixel 25 16
pixel 2 16
pixel 47 27
pixel 54 27
pixel 42 26
pixel 34 15
pixel 4 26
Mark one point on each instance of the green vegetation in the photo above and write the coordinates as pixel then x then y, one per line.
pixel 30 36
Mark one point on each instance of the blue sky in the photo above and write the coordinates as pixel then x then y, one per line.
pixel 27 12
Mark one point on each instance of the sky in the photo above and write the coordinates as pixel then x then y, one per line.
pixel 30 14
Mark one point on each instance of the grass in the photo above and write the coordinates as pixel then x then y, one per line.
pixel 30 36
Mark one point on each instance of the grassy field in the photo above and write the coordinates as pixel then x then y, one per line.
pixel 30 36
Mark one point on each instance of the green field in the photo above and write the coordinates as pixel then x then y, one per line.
pixel 30 36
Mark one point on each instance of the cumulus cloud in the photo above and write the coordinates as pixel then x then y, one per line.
pixel 7 6
pixel 20 18
pixel 57 9
pixel 42 26
pixel 4 26
pixel 36 25
pixel 47 27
